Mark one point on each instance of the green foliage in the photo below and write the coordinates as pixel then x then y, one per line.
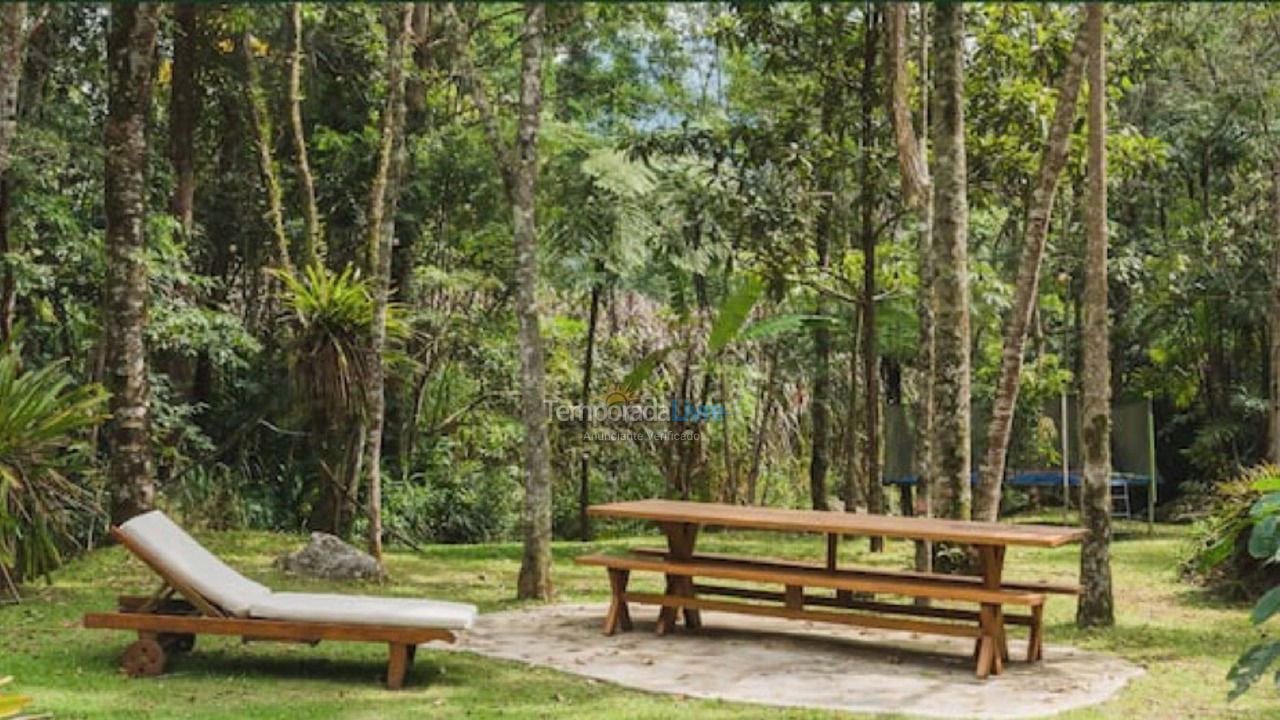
pixel 440 503
pixel 1264 546
pixel 1220 553
pixel 733 313
pixel 44 462
pixel 331 314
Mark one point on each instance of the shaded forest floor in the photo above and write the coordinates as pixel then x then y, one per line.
pixel 1185 639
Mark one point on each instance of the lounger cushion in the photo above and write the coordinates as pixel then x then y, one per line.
pixel 364 610
pixel 179 555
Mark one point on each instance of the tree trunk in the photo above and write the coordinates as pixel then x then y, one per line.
pixel 12 45
pixel 925 303
pixel 184 109
pixel 519 168
pixel 820 402
pixel 764 411
pixel 1096 606
pixel 917 194
pixel 867 232
pixel 584 484
pixel 131 44
pixel 13 41
pixel 1273 321
pixel 270 176
pixel 8 283
pixel 986 505
pixel 854 494
pixel 382 210
pixel 313 242
pixel 951 274
pixel 820 399
pixel 535 568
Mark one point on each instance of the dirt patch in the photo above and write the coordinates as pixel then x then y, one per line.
pixel 802 664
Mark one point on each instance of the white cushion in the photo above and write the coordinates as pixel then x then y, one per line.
pixel 364 610
pixel 179 555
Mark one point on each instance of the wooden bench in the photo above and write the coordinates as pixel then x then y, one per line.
pixel 1033 586
pixel 986 625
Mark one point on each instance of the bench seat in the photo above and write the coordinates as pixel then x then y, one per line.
pixel 683 594
pixel 1033 586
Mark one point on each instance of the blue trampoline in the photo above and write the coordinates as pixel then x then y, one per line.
pixel 1121 506
pixel 1039 478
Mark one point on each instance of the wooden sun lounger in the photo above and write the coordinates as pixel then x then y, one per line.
pixel 167 625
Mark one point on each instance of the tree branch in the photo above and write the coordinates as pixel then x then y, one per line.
pixel 503 152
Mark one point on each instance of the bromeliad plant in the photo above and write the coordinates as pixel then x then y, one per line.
pixel 1264 545
pixel 43 461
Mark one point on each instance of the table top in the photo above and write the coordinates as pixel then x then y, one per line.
pixel 820 521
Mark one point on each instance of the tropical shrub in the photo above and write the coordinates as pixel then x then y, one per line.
pixel 44 462
pixel 1264 546
pixel 463 504
pixel 1219 555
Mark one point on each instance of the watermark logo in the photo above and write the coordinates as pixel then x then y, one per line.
pixel 622 404
pixel 619 395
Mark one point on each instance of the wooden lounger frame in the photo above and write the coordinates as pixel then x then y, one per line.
pixel 167 625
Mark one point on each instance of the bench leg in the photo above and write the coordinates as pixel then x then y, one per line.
pixel 1002 639
pixel 988 651
pixel 681 538
pixel 795 597
pixel 667 613
pixel 692 616
pixel 1035 642
pixel 397 665
pixel 618 615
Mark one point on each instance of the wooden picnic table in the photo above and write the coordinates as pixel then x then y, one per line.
pixel 680 522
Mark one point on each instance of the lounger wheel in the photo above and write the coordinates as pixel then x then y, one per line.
pixel 144 658
pixel 177 642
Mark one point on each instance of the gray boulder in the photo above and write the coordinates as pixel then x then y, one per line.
pixel 328 557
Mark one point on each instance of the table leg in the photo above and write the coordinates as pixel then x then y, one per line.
pixel 993 646
pixel 680 541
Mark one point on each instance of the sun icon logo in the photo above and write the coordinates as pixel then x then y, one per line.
pixel 618 395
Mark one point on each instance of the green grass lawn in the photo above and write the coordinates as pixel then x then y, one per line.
pixel 1184 638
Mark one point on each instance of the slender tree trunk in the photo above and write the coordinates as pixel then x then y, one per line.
pixel 1096 606
pixel 13 40
pixel 131 43
pixel 867 232
pixel 584 481
pixel 730 491
pixel 382 209
pixel 519 168
pixel 951 274
pixel 313 242
pixel 535 568
pixel 917 194
pixel 827 179
pixel 1273 321
pixel 820 402
pixel 854 494
pixel 764 410
pixel 925 304
pixel 8 283
pixel 269 174
pixel 184 109
pixel 986 505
